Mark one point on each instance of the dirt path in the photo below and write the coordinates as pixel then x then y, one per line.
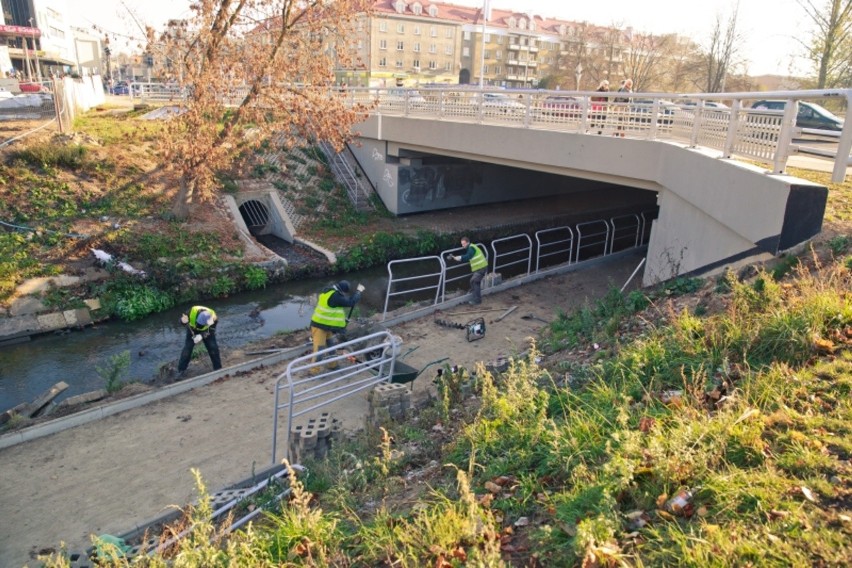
pixel 107 476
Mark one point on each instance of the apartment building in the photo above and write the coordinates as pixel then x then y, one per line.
pixel 418 42
pixel 37 38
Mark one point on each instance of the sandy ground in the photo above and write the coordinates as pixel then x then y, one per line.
pixel 109 476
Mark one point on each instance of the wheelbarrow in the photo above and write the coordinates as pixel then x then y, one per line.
pixel 403 373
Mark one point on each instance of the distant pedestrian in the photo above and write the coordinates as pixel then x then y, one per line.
pixel 200 326
pixel 330 315
pixel 599 106
pixel 478 266
pixel 623 102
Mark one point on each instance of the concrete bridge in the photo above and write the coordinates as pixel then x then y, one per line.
pixel 715 173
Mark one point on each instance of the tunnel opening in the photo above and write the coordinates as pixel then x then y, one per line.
pixel 255 215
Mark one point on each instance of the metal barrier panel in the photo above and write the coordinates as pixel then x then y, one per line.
pixel 342 371
pixel 592 239
pixel 518 250
pixel 394 280
pixel 626 232
pixel 553 244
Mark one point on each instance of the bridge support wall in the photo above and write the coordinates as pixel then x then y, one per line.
pixel 714 212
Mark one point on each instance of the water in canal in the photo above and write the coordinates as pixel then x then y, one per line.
pixel 28 369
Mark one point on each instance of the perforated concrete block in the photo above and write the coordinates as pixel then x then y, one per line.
pixel 309 439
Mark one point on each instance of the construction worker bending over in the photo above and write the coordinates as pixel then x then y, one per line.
pixel 200 326
pixel 330 315
pixel 478 265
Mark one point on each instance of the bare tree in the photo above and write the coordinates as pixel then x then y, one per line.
pixel 722 52
pixel 830 47
pixel 254 69
pixel 644 58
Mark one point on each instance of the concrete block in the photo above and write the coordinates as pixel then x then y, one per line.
pixel 51 322
pixel 323 429
pixel 83 316
pixel 19 326
pixel 70 318
pixel 93 303
pixel 25 305
pixel 84 398
pixel 309 439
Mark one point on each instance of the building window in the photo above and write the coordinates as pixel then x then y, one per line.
pixel 433 11
pixel 400 46
pixel 400 28
pixel 448 49
pixel 485 70
pixel 466 35
pixel 496 69
pixel 399 63
pixel 383 26
pixel 499 40
pixel 417 47
pixel 383 62
pixel 383 44
pixel 416 30
pixel 433 65
pixel 417 9
pixel 487 54
pixel 465 52
pixel 448 66
pixel 433 48
pixel 499 54
pixel 487 38
pixel 448 33
pixel 416 64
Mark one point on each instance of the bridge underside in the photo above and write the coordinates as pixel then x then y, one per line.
pixel 713 212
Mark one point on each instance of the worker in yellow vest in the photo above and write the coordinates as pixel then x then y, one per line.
pixel 478 266
pixel 330 316
pixel 200 326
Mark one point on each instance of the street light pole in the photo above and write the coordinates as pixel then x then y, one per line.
pixel 485 8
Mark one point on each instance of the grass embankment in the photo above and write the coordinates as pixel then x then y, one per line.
pixel 104 188
pixel 705 423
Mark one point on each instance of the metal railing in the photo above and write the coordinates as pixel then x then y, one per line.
pixel 512 252
pixel 341 371
pixel 553 249
pixel 693 119
pixel 402 279
pixel 344 173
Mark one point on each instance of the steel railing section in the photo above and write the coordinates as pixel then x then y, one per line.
pixel 554 244
pixel 343 172
pixel 593 239
pixel 342 371
pixel 395 280
pixel 456 272
pixel 625 232
pixel 765 136
pixel 517 250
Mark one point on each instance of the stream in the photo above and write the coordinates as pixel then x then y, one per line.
pixel 30 368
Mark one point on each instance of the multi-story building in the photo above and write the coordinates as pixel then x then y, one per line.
pixel 38 37
pixel 411 42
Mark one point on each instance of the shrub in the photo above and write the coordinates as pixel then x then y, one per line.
pixel 114 371
pixel 53 155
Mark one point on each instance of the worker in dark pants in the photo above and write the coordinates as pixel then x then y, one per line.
pixel 330 317
pixel 478 265
pixel 200 326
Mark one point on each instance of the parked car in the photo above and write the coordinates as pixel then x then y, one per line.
pixel 121 88
pixel 563 106
pixel 29 87
pixel 502 103
pixel 707 104
pixel 641 110
pixel 810 115
pixel 397 98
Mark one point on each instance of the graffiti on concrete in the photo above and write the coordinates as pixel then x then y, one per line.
pixel 436 186
pixel 388 177
pixel 377 156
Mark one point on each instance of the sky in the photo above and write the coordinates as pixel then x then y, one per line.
pixel 769 27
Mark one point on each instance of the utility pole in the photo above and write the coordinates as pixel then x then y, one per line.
pixel 486 8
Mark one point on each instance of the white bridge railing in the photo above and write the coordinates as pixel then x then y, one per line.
pixel 722 121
